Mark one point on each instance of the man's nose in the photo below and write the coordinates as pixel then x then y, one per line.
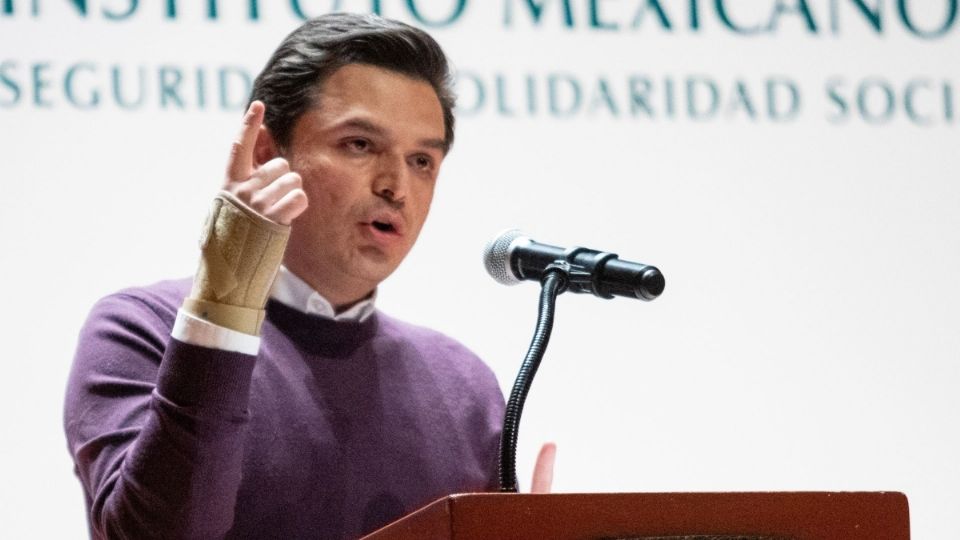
pixel 392 178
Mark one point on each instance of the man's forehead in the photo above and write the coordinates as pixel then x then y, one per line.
pixel 379 101
pixel 363 76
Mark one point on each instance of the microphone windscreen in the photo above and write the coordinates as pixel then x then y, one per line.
pixel 496 257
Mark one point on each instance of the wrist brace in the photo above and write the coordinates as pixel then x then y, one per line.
pixel 241 252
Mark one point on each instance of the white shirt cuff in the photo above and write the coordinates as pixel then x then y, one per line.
pixel 191 329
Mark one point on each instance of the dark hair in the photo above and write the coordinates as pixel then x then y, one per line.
pixel 290 83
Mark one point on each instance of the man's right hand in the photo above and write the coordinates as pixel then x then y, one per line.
pixel 244 239
pixel 272 189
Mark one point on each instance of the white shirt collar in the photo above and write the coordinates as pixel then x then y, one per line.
pixel 290 290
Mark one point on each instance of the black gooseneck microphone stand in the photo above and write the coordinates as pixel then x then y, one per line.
pixel 556 278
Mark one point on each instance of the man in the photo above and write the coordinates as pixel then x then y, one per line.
pixel 203 410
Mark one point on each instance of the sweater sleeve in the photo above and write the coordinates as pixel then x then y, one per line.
pixel 155 426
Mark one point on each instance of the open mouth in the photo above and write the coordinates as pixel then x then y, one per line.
pixel 383 226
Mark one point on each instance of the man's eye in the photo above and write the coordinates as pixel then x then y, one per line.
pixel 358 145
pixel 423 162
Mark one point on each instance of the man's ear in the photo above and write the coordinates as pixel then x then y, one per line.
pixel 266 147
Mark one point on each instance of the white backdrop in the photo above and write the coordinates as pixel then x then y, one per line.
pixel 808 335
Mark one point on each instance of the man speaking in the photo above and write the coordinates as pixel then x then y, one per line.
pixel 269 401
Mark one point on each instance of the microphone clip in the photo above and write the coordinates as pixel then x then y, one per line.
pixel 570 275
pixel 582 269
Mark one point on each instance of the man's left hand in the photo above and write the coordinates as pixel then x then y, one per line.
pixel 543 469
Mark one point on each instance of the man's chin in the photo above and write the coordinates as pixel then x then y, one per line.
pixel 375 266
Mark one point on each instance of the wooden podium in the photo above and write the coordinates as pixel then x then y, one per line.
pixel 660 516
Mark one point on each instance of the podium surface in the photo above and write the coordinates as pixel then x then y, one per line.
pixel 638 516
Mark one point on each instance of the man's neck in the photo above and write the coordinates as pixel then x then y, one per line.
pixel 341 298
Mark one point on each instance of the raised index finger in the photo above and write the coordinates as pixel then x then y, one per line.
pixel 240 164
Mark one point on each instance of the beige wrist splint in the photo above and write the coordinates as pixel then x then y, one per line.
pixel 241 252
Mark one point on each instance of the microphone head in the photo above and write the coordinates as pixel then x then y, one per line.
pixel 496 256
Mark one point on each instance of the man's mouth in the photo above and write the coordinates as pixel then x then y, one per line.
pixel 383 229
pixel 383 226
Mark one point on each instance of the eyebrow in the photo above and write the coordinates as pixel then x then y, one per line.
pixel 370 127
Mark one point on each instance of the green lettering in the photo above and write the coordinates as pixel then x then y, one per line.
pixel 603 98
pixel 457 11
pixel 10 83
pixel 668 91
pixel 692 110
pixel 834 97
pixel 502 107
pixel 774 112
pixel 531 95
pixel 81 6
pixel 660 13
pixel 170 79
pixel 246 85
pixel 201 88
pixel 116 16
pixel 39 84
pixel 871 14
pixel 741 100
pixel 725 19
pixel 118 85
pixel 553 92
pixel 886 95
pixel 297 10
pixel 947 101
pixel 694 14
pixel 639 89
pixel 536 11
pixel 908 103
pixel 68 88
pixel 801 8
pixel 595 21
pixel 462 78
pixel 928 34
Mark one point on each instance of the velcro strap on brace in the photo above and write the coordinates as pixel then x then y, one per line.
pixel 241 252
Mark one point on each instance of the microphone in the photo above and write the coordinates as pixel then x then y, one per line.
pixel 513 257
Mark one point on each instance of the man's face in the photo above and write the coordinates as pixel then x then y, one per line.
pixel 369 156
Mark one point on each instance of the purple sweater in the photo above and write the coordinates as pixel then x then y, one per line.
pixel 333 430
